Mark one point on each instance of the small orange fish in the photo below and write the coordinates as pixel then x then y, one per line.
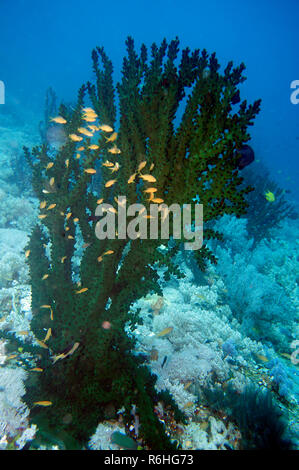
pixel 150 190
pixel 187 385
pixel 84 131
pixel 93 147
pixel 112 138
pixel 108 164
pixel 110 183
pixel 68 215
pixel 115 168
pixel 75 138
pixel 48 335
pixel 99 259
pixel 24 333
pixel 67 162
pixel 84 289
pixel 165 332
pixel 42 216
pixel 78 156
pixel 43 204
pixel 45 276
pixel 151 167
pixel 109 252
pixel 149 178
pixel 51 206
pixel 105 128
pixel 90 171
pixel 70 237
pixel 37 369
pixel 63 259
pixel 141 166
pixel 157 200
pixel 59 120
pixel 43 403
pixel 99 201
pixel 80 148
pixel 88 110
pixel 27 253
pixel 114 150
pixel 49 165
pixel 76 219
pixel 52 181
pixel 132 178
pixel 90 118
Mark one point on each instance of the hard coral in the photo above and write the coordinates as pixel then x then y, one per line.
pixel 196 158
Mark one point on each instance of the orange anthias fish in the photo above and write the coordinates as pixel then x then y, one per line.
pixel 59 120
pixel 105 128
pixel 84 289
pixel 149 178
pixel 109 183
pixel 43 403
pixel 164 332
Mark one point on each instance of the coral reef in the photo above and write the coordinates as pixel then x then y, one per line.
pixel 81 328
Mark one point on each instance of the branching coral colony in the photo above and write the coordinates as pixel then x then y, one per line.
pixel 84 357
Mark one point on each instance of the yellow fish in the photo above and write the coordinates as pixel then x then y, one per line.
pixel 114 150
pixel 45 276
pixel 132 178
pixel 68 215
pixel 270 196
pixel 49 165
pixel 112 138
pixel 149 178
pixel 109 252
pixel 67 162
pixel 105 128
pixel 93 128
pixel 75 138
pixel 93 147
pixel 88 110
pixel 152 166
pixel 99 201
pixel 51 206
pixel 80 148
pixel 90 118
pixel 43 403
pixel 261 357
pixel 90 171
pixel 76 219
pixel 49 333
pixel 52 181
pixel 63 259
pixel 37 369
pixel 150 190
pixel 157 200
pixel 84 289
pixel 110 183
pixel 27 253
pixel 115 168
pixel 141 166
pixel 166 331
pixel 59 120
pixel 43 204
pixel 108 164
pixel 25 333
pixel 84 131
pixel 42 216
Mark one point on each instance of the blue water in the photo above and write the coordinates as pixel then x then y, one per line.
pixel 48 44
